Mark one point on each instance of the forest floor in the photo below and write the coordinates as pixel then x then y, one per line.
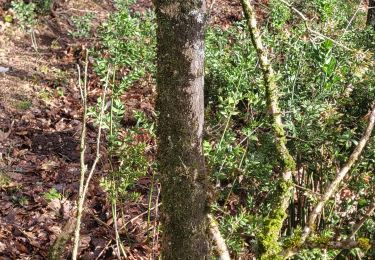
pixel 40 125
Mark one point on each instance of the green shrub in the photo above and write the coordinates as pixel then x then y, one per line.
pixel 25 14
pixel 82 26
pixel 52 194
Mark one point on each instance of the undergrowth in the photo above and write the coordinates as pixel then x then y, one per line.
pixel 327 85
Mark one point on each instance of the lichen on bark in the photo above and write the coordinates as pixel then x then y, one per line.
pixel 180 79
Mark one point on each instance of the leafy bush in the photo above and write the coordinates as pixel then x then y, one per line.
pixel 320 77
pixel 52 194
pixel 82 26
pixel 25 14
pixel 127 52
pixel 127 45
pixel 323 126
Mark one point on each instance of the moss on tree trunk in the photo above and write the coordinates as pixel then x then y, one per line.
pixel 180 80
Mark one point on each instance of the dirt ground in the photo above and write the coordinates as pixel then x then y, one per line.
pixel 40 124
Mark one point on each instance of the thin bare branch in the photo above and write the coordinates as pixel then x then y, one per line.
pixel 85 184
pixel 303 17
pixel 83 167
pixel 332 188
pixel 221 247
pixel 363 220
pixel 359 224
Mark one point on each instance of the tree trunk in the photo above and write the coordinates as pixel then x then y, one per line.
pixel 371 14
pixel 180 80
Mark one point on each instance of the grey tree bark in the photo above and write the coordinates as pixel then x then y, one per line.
pixel 180 80
pixel 371 14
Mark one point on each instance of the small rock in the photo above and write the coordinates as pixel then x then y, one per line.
pixel 3 69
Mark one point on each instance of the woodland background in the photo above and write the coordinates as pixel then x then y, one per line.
pixel 324 69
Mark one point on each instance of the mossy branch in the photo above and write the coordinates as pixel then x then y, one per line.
pixel 332 188
pixel 362 243
pixel 269 245
pixel 272 92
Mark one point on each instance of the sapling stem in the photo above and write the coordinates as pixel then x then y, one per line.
pixel 84 184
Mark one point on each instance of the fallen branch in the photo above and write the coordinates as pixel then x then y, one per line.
pixel 332 188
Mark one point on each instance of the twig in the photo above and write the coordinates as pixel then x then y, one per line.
pixel 97 219
pixel 332 188
pixel 84 188
pixel 81 10
pixel 120 247
pixel 138 216
pixel 352 19
pixel 104 249
pixel 303 17
pixel 295 10
pixel 83 167
pixel 363 220
pixel 316 194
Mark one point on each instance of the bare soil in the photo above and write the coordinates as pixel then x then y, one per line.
pixel 40 124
